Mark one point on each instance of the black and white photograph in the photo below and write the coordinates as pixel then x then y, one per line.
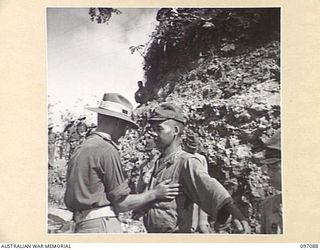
pixel 164 120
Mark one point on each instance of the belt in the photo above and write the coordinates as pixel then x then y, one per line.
pixel 93 213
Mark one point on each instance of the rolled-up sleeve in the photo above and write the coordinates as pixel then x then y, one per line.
pixel 202 189
pixel 119 192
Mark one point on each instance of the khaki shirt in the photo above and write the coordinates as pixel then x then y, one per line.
pixel 94 175
pixel 198 187
pixel 145 173
pixel 271 215
pixel 199 217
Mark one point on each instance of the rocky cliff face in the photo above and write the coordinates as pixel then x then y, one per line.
pixel 231 97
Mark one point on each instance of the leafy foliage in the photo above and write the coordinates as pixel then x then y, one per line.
pixel 102 15
pixel 138 48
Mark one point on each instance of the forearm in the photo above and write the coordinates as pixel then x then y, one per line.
pixel 135 201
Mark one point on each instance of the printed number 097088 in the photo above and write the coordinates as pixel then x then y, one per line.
pixel 308 245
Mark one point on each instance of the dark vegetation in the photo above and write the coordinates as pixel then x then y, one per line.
pixel 185 35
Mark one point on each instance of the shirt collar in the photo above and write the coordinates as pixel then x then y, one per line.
pixel 107 137
pixel 170 159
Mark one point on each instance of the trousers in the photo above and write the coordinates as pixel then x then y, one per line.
pixel 99 225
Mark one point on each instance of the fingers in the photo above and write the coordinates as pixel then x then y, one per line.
pixel 170 197
pixel 241 227
pixel 174 185
pixel 174 189
pixel 167 190
pixel 172 194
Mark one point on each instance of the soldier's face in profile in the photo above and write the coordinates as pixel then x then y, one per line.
pixel 163 133
pixel 274 172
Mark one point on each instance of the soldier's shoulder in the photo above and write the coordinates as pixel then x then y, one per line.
pixel 200 156
pixel 187 156
pixel 99 146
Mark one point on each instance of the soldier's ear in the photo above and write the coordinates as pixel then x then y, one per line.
pixel 176 129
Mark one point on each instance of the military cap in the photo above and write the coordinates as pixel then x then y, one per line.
pixel 167 111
